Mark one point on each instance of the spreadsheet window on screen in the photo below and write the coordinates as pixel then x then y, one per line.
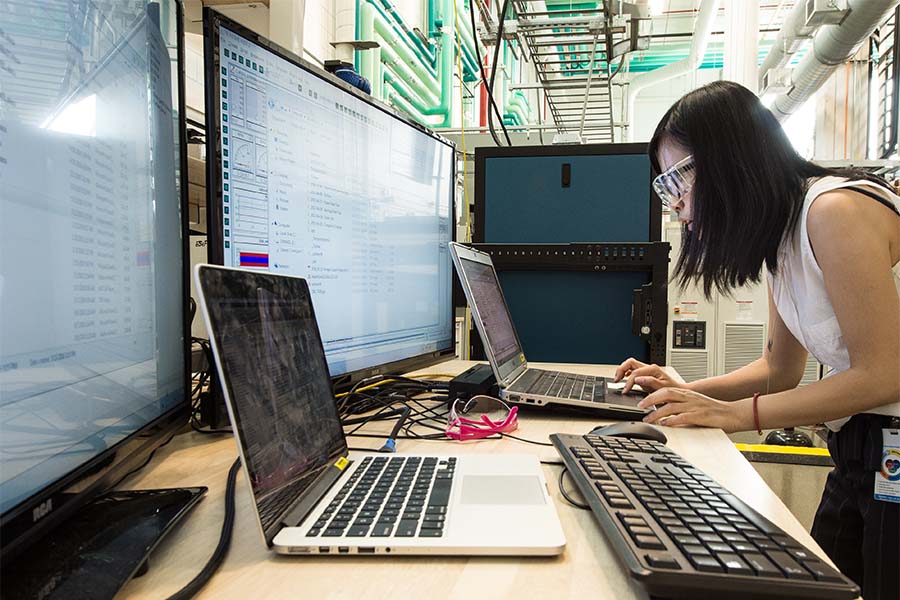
pixel 320 184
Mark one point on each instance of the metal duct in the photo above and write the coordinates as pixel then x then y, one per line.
pixel 788 40
pixel 702 29
pixel 832 46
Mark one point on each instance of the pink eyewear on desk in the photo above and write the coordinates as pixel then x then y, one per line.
pixel 480 417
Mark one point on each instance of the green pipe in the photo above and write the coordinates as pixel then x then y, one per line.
pixel 400 103
pixel 400 38
pixel 517 111
pixel 448 36
pixel 408 66
pixel 408 95
pixel 427 52
pixel 423 89
pixel 378 72
pixel 519 100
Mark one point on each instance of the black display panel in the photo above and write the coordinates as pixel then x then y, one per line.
pixel 93 361
pixel 310 177
pixel 266 341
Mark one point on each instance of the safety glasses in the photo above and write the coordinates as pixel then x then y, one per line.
pixel 675 182
pixel 480 417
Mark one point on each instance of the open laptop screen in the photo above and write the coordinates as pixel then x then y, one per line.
pixel 487 297
pixel 276 379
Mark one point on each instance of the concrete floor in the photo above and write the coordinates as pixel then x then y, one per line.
pixel 798 486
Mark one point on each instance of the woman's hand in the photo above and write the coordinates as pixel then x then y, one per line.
pixel 676 407
pixel 649 377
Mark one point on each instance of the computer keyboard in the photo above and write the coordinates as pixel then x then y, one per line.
pixel 557 384
pixel 391 496
pixel 681 534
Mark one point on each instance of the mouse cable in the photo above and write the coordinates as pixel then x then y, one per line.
pixel 218 556
pixel 565 494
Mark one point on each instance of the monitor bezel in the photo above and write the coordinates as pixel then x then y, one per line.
pixel 212 21
pixel 37 516
pixel 483 154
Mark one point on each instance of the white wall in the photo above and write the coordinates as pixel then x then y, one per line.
pixel 653 102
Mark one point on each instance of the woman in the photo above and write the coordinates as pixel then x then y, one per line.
pixel 829 242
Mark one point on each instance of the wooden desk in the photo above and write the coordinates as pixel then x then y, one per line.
pixel 587 568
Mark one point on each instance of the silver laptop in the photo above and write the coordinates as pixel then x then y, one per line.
pixel 311 495
pixel 518 383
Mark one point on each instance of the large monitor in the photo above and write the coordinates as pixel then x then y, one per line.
pixel 308 176
pixel 93 372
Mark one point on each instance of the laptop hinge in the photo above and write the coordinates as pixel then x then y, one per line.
pixel 306 502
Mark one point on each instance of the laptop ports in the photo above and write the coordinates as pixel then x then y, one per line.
pixel 343 549
pixel 365 550
pixel 324 549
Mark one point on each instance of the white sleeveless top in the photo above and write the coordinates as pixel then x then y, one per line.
pixel 802 301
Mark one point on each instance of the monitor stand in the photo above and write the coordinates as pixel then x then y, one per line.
pixel 100 548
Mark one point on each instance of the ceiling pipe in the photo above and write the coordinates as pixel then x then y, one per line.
pixel 788 40
pixel 702 29
pixel 832 46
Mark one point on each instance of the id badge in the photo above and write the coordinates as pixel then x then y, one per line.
pixel 887 480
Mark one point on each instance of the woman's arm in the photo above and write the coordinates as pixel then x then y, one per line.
pixel 855 244
pixel 780 367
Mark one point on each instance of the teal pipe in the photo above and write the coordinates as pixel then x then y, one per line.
pixel 409 95
pixel 448 36
pixel 408 66
pixel 400 103
pixel 427 52
pixel 401 38
pixel 423 89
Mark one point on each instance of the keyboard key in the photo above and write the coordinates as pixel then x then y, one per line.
pixel 406 528
pixel 705 563
pixel 734 565
pixel 358 531
pixel 382 529
pixel 822 572
pixel 648 542
pixel 788 566
pixel 761 565
pixel 661 561
pixel 431 533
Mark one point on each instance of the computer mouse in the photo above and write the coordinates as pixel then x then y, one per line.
pixel 631 429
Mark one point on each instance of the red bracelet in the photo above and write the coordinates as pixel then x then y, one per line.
pixel 756 413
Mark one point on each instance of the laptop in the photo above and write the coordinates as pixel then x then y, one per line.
pixel 518 383
pixel 313 496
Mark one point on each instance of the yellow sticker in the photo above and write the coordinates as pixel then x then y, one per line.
pixel 522 357
pixel 342 463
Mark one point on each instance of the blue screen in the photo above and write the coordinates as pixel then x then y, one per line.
pixel 91 299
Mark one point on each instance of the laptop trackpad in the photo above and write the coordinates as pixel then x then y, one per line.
pixel 502 489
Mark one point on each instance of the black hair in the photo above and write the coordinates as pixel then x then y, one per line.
pixel 749 187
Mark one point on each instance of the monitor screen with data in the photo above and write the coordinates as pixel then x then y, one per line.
pixel 315 180
pixel 92 330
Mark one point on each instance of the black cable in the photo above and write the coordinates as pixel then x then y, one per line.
pixel 390 445
pixel 569 499
pixel 143 464
pixel 490 92
pixel 215 561
pixel 494 67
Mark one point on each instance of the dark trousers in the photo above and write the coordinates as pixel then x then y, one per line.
pixel 859 533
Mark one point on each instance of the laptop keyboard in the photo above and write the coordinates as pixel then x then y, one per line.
pixel 391 496
pixel 557 384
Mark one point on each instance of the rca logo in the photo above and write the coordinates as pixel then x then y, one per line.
pixel 42 511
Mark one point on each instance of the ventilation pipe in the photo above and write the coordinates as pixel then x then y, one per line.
pixel 699 42
pixel 787 41
pixel 832 46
